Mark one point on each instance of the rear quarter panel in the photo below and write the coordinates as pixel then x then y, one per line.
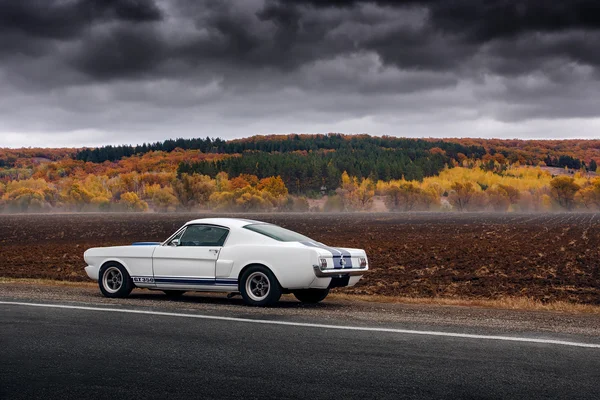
pixel 291 265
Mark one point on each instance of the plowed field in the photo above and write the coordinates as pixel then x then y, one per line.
pixel 548 257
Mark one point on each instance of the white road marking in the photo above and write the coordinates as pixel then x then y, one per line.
pixel 311 325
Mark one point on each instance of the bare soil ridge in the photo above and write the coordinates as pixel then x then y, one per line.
pixel 547 257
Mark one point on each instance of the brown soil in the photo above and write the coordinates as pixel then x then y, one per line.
pixel 547 257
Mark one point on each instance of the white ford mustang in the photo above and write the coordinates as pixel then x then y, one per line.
pixel 259 260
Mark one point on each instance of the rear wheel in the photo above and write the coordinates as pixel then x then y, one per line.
pixel 259 287
pixel 114 280
pixel 311 296
pixel 173 293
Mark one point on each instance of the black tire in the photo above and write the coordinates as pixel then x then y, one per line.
pixel 114 280
pixel 259 287
pixel 174 293
pixel 311 296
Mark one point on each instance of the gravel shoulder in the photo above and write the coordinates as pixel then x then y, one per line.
pixel 332 311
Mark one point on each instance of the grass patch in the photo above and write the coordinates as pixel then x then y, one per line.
pixel 46 282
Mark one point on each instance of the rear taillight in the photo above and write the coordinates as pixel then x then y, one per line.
pixel 322 263
pixel 363 262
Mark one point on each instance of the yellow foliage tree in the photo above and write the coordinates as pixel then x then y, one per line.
pixel 356 196
pixel 563 191
pixel 193 190
pixel 247 198
pixel 164 199
pixel 461 195
pixel 408 196
pixel 498 198
pixel 222 182
pixel 101 203
pixel 273 185
pixel 25 199
pixel 589 195
pixel 77 196
pixel 29 195
pixel 131 202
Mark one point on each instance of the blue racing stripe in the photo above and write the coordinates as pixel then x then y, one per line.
pixel 194 281
pixel 335 252
pixel 226 281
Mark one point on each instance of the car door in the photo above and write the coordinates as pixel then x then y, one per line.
pixel 189 259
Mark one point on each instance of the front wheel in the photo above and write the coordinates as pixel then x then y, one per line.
pixel 311 296
pixel 114 280
pixel 259 287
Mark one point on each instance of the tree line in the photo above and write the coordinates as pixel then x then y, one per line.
pixel 304 172
pixel 566 161
pixel 467 188
pixel 280 144
pixel 115 153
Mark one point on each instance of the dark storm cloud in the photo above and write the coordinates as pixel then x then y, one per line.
pixel 122 51
pixel 107 64
pixel 36 27
pixel 65 19
pixel 461 29
pixel 460 36
pixel 487 20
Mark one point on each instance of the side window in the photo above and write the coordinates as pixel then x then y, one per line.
pixel 203 235
pixel 176 239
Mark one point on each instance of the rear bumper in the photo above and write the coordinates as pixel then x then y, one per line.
pixel 338 272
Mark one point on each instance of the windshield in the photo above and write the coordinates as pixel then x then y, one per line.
pixel 277 233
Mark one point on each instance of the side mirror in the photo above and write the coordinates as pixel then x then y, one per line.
pixel 174 243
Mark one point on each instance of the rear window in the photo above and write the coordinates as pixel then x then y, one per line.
pixel 277 233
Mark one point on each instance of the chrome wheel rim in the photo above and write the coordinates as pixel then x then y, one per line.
pixel 112 280
pixel 258 286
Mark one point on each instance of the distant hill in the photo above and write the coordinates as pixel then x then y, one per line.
pixel 279 171
pixel 528 152
pixel 307 161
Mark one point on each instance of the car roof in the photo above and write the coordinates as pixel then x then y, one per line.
pixel 226 222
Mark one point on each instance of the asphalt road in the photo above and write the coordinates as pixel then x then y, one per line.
pixel 74 353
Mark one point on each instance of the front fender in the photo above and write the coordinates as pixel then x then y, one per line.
pixel 93 271
pixel 137 260
pixel 117 260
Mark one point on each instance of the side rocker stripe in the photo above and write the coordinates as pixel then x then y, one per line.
pixel 190 281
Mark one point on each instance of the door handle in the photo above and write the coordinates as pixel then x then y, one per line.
pixel 214 250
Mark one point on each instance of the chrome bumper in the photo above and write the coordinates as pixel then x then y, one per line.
pixel 332 273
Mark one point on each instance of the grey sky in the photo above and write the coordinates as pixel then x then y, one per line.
pixel 130 71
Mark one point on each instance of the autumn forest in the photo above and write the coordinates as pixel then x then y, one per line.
pixel 330 172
